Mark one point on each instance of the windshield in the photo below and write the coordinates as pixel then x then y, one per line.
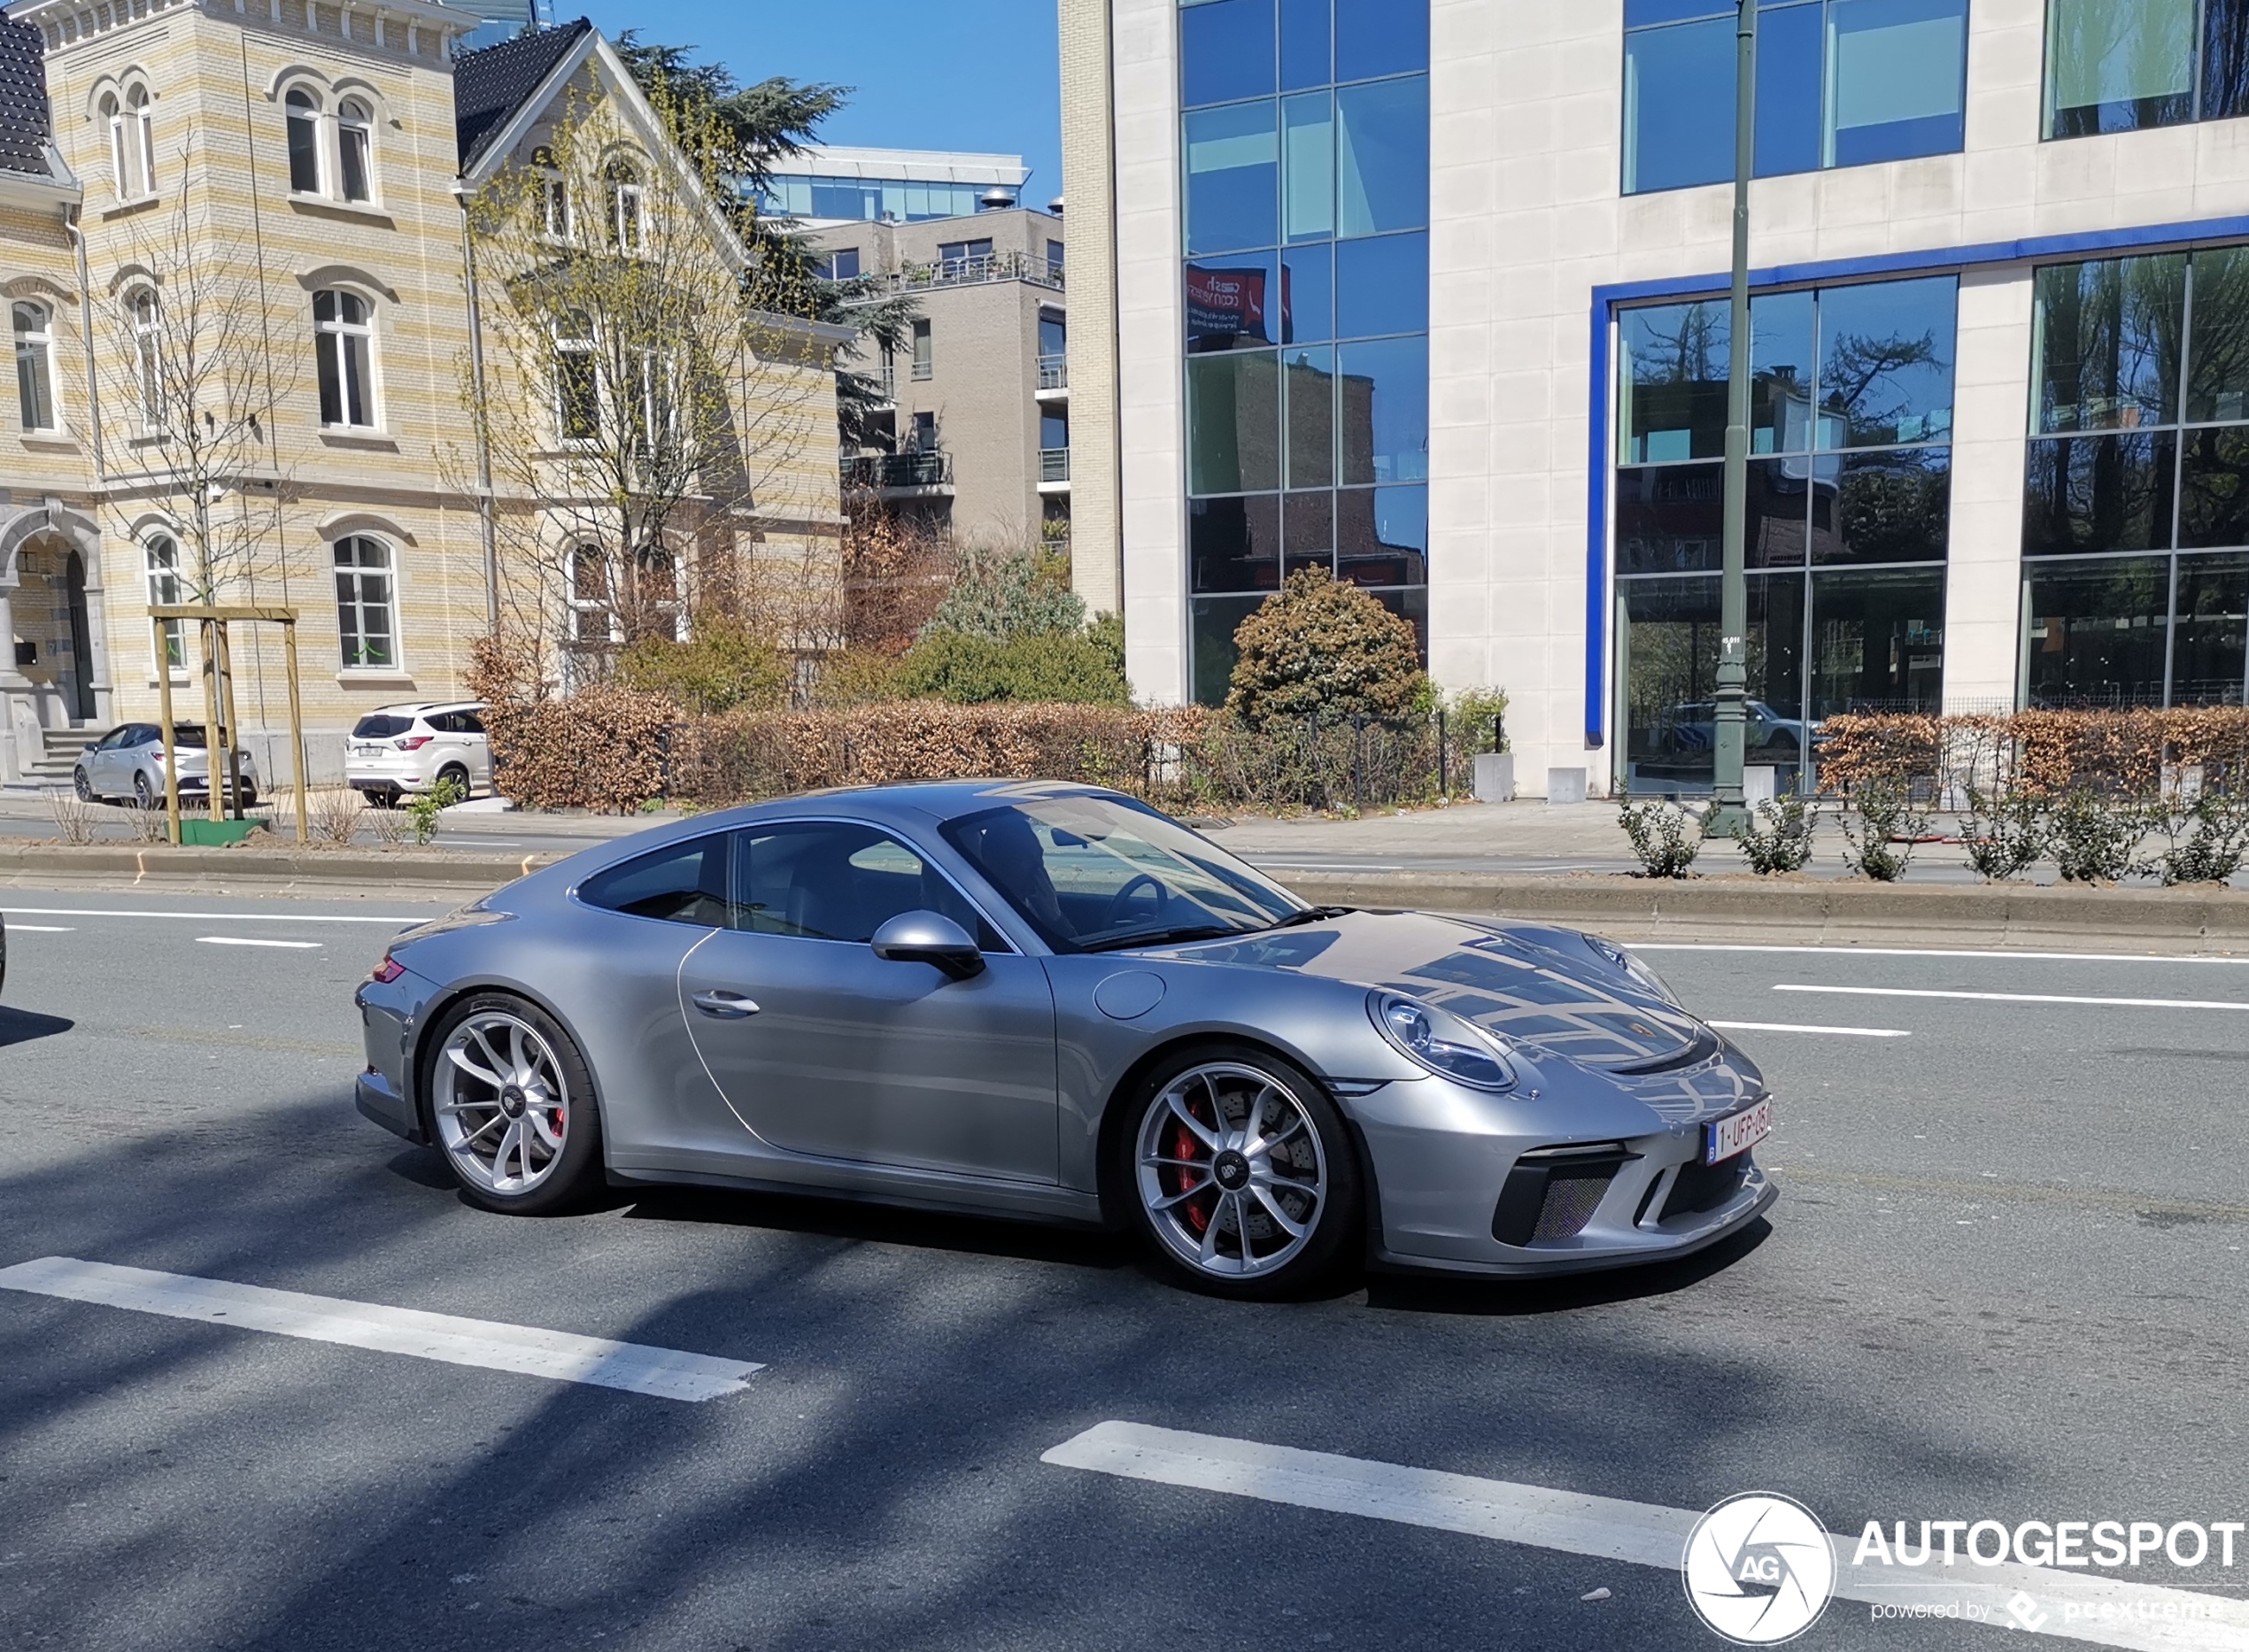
pixel 1092 874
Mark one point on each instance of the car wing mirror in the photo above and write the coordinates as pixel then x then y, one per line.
pixel 929 937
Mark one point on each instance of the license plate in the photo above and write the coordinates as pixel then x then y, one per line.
pixel 367 751
pixel 1736 1133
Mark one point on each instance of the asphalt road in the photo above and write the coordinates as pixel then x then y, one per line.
pixel 2005 1280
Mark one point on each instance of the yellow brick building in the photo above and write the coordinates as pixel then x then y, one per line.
pixel 232 261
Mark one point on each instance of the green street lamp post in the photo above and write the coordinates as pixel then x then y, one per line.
pixel 1733 597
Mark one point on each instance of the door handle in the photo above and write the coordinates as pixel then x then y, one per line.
pixel 725 1006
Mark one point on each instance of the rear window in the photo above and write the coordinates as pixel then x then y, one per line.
pixel 376 726
pixel 187 737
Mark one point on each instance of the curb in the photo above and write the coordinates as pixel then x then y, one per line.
pixel 444 869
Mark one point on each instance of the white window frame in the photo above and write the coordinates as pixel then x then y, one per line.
pixel 580 606
pixel 628 209
pixel 302 105
pixel 132 142
pixel 353 609
pixel 558 222
pixel 161 565
pixel 585 347
pixel 35 362
pixel 144 314
pixel 360 125
pixel 351 344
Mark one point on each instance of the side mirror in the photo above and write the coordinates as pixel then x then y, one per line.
pixel 931 939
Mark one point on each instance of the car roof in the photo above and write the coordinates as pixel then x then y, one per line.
pixel 423 707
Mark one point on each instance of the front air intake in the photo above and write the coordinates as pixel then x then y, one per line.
pixel 1552 1192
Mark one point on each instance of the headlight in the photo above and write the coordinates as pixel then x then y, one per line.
pixel 1444 1043
pixel 1618 958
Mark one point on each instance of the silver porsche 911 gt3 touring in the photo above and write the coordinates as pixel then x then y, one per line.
pixel 1052 1001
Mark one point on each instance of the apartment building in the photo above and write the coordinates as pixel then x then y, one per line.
pixel 278 191
pixel 975 434
pixel 1433 295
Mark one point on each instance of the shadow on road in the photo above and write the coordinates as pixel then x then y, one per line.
pixel 21 1026
pixel 1435 1294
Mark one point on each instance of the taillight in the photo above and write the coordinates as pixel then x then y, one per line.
pixel 413 742
pixel 389 970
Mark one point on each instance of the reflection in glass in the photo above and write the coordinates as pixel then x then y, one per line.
pixel 1233 178
pixel 1234 544
pixel 2210 630
pixel 2106 339
pixel 1890 508
pixel 1303 43
pixel 1308 294
pixel 2213 487
pixel 1886 362
pixel 1384 410
pixel 1381 37
pixel 1667 656
pixel 1877 641
pixel 1669 517
pixel 1230 303
pixel 1311 417
pixel 1382 286
pixel 2217 352
pixel 1410 605
pixel 1383 157
pixel 1673 378
pixel 2098 493
pixel 1211 622
pixel 1308 530
pixel 1789 500
pixel 1382 536
pixel 2093 632
pixel 1897 71
pixel 2118 66
pixel 1233 422
pixel 1788 42
pixel 1308 166
pixel 1678 105
pixel 2225 59
pixel 1225 51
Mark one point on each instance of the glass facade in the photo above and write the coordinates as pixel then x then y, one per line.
pixel 2119 65
pixel 1850 506
pixel 1839 83
pixel 1305 273
pixel 2135 504
pixel 870 199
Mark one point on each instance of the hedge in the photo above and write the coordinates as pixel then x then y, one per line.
pixel 2126 752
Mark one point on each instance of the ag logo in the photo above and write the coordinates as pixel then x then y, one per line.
pixel 1758 1569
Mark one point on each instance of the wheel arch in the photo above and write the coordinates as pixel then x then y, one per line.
pixel 423 1050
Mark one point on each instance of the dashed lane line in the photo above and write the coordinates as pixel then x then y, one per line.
pixel 1798 1026
pixel 238 941
pixel 2016 997
pixel 394 920
pixel 2140 1616
pixel 561 1356
pixel 1845 949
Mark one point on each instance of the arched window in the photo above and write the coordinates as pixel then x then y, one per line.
pixel 589 602
pixel 578 380
pixel 35 365
pixel 145 315
pixel 163 553
pixel 144 136
pixel 132 143
pixel 343 335
pixel 628 226
pixel 554 195
pixel 366 603
pixel 355 148
pixel 303 141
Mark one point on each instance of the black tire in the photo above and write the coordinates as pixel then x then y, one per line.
pixel 458 776
pixel 82 786
pixel 143 793
pixel 575 1171
pixel 1335 1222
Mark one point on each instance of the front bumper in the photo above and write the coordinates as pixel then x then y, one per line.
pixel 1442 1155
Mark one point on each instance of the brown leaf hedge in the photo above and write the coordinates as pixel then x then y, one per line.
pixel 2122 753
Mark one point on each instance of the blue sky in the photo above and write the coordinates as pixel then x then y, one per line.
pixel 959 74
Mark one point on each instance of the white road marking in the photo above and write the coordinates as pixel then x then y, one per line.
pixel 665 1373
pixel 1325 865
pixel 236 941
pixel 2018 997
pixel 41 929
pixel 1642 1534
pixel 1792 1026
pixel 1843 949
pixel 223 917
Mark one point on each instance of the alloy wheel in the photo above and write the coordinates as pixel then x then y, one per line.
pixel 501 1104
pixel 1231 1171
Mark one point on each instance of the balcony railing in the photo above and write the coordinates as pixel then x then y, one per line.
pixel 1054 373
pixel 989 266
pixel 898 470
pixel 1054 463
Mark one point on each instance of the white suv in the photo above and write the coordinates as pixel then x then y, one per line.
pixel 411 748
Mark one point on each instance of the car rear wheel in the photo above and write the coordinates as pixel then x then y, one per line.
pixel 143 793
pixel 1243 1173
pixel 458 776
pixel 511 1106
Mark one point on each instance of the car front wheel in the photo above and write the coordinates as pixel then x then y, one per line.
pixel 511 1107
pixel 81 785
pixel 1243 1173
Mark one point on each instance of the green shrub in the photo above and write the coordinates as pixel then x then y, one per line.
pixel 1879 825
pixel 724 665
pixel 1776 837
pixel 1471 716
pixel 1049 665
pixel 1661 836
pixel 2004 832
pixel 424 808
pixel 2205 839
pixel 1002 595
pixel 2093 836
pixel 1316 647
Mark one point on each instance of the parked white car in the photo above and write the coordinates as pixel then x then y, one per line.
pixel 402 749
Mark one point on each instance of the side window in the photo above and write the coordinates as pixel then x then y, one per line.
pixel 835 882
pixel 684 884
pixel 470 723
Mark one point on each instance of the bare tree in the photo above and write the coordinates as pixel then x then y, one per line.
pixel 645 426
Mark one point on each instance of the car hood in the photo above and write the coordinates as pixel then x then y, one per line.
pixel 1543 989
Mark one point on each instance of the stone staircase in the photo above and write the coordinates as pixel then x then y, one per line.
pixel 60 755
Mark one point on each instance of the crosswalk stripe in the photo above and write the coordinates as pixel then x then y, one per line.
pixel 562 1356
pixel 2146 1617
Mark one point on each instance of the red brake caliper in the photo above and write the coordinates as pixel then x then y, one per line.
pixel 1184 1145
